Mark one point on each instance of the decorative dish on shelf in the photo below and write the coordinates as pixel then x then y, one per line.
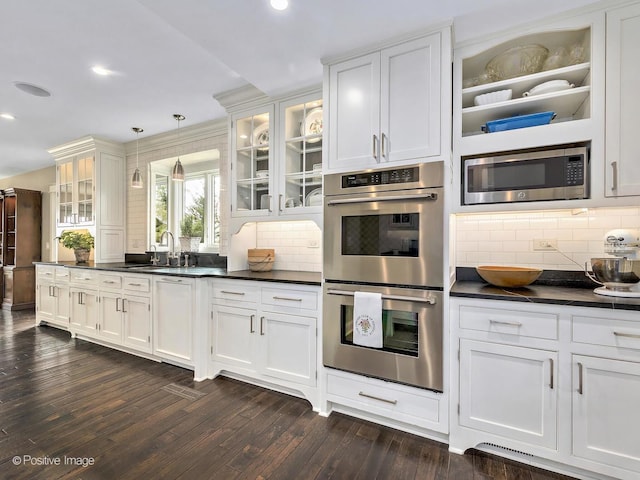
pixel 262 173
pixel 517 61
pixel 312 125
pixel 520 121
pixel 261 135
pixel 314 198
pixel 548 87
pixel 493 97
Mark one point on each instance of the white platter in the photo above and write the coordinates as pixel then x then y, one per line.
pixel 312 125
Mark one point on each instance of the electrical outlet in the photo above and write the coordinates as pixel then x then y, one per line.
pixel 542 244
pixel 313 243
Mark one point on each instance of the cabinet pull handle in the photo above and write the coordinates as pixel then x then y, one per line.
pixel 614 182
pixel 551 373
pixel 501 322
pixel 375 147
pixel 251 319
pixel 261 325
pixel 117 304
pixel 172 280
pixel 290 299
pixel 108 281
pixel 280 198
pixel 123 309
pixel 50 292
pixel 384 145
pixel 134 284
pixel 232 293
pixel 392 402
pixel 580 384
pixel 80 298
pixel 270 197
pixel 627 335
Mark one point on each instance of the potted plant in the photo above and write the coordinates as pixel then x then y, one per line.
pixel 80 242
pixel 190 233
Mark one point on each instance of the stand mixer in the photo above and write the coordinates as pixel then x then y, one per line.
pixel 619 275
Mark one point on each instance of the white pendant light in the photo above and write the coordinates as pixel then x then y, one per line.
pixel 136 180
pixel 177 173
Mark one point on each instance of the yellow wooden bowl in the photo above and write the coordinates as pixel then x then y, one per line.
pixel 508 276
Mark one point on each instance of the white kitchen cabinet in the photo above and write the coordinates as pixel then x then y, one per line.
pixel 266 333
pixel 388 105
pixel 233 336
pixel 91 193
pixel 276 159
pixel 52 295
pixel 605 411
pixel 509 391
pixel 623 101
pixel 84 311
pixel 559 383
pixel 174 304
pixel 109 321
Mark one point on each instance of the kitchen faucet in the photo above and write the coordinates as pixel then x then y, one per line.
pixel 154 258
pixel 171 254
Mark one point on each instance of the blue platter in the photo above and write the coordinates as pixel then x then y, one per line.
pixel 521 121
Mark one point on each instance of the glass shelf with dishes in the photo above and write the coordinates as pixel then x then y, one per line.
pixel 303 125
pixel 251 171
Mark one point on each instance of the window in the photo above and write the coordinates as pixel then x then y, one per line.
pixel 190 208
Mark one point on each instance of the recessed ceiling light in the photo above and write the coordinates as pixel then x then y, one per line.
pixel 97 69
pixel 280 4
pixel 32 89
pixel 8 116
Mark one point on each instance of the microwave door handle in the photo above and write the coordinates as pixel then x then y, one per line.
pixel 390 198
pixel 404 298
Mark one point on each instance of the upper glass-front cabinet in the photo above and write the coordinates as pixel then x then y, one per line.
pixel 76 191
pixel 277 160
pixel 302 156
pixel 252 170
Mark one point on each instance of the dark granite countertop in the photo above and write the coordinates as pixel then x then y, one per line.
pixel 559 288
pixel 281 276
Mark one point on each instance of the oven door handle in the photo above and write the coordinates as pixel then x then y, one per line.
pixel 389 198
pixel 404 298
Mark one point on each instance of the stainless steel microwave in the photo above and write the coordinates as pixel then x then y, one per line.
pixel 557 174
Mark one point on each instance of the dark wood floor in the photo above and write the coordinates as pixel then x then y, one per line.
pixel 69 401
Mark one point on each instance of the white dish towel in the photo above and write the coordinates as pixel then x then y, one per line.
pixel 367 319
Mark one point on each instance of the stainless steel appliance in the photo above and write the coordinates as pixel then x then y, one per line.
pixel 412 325
pixel 561 173
pixel 385 226
pixel 383 233
pixel 619 275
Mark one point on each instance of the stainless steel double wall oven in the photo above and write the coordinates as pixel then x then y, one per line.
pixel 383 232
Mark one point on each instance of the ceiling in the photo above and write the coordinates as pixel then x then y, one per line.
pixel 171 56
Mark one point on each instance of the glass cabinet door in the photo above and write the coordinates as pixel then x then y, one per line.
pixel 85 190
pixel 302 155
pixel 252 168
pixel 65 193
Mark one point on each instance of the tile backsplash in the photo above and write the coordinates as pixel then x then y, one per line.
pixel 298 245
pixel 508 238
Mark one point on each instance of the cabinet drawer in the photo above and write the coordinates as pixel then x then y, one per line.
pixel 140 283
pixel 510 322
pixel 109 281
pixel 235 293
pixel 45 272
pixel 62 275
pixel 281 297
pixel 606 331
pixel 83 276
pixel 383 398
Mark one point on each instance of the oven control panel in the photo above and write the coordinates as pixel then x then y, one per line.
pixel 381 177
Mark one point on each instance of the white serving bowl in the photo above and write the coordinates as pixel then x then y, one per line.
pixel 493 97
